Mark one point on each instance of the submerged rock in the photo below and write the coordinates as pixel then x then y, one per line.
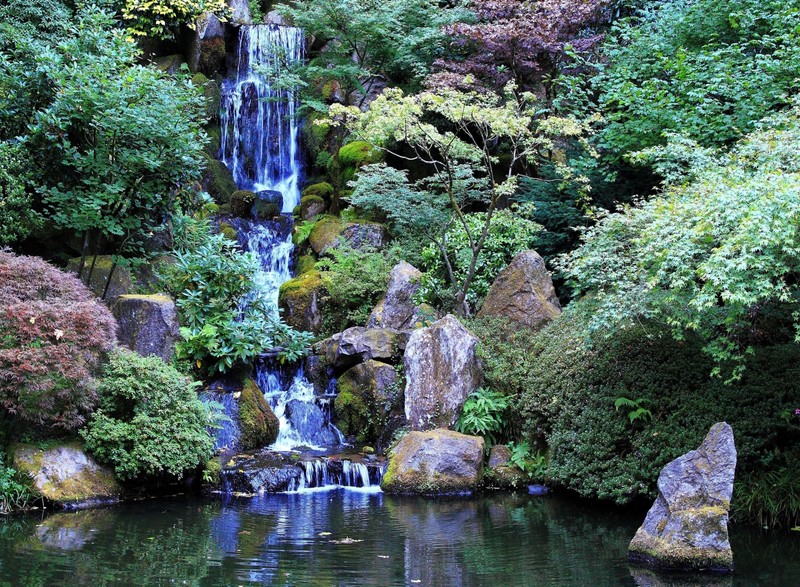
pixel 687 527
pixel 442 369
pixel 437 462
pixel 397 309
pixel 148 325
pixel 523 292
pixel 66 475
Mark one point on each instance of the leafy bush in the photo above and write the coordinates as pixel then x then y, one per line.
pixel 150 420
pixel 17 217
pixel 13 494
pixel 483 414
pixel 566 391
pixel 716 254
pixel 161 19
pixel 707 69
pixel 225 319
pixel 355 280
pixel 53 335
pixel 508 235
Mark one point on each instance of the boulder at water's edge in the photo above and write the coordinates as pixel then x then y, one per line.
pixel 687 527
pixel 437 462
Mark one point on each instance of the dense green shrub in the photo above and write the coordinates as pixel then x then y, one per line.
pixel 225 321
pixel 355 280
pixel 17 216
pixel 566 393
pixel 53 336
pixel 509 234
pixel 707 69
pixel 150 420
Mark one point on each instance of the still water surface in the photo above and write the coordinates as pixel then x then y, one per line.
pixel 343 537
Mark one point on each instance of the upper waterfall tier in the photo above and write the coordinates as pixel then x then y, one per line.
pixel 260 126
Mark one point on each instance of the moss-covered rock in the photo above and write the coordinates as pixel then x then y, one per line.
pixel 311 206
pixel 322 190
pixel 301 301
pixel 367 395
pixel 66 475
pixel 214 133
pixel 500 474
pixel 326 234
pixel 242 202
pixel 228 231
pixel 354 155
pixel 305 264
pixel 268 204
pixel 217 180
pixel 101 267
pixel 170 64
pixel 437 462
pixel 258 424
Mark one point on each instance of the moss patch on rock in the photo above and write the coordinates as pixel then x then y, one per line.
pixel 259 425
pixel 228 231
pixel 322 190
pixel 326 233
pixel 306 263
pixel 242 203
pixel 300 299
pixel 218 180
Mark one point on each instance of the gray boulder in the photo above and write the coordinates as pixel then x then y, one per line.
pixel 240 11
pixel 397 309
pixel 66 475
pixel 358 344
pixel 147 324
pixel 441 371
pixel 369 401
pixel 500 473
pixel 437 462
pixel 365 235
pixel 687 527
pixel 523 292
pixel 206 45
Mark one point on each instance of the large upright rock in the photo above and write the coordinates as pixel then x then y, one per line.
pixel 397 309
pixel 147 324
pixel 435 463
pixel 206 50
pixel 301 301
pixel 523 292
pixel 441 371
pixel 102 269
pixel 66 475
pixel 368 402
pixel 240 11
pixel 687 527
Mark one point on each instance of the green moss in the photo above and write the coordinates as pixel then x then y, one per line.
pixel 322 190
pixel 325 233
pixel 218 180
pixel 258 423
pixel 306 263
pixel 265 209
pixel 214 133
pixel 358 153
pixel 242 203
pixel 212 470
pixel 199 79
pixel 228 231
pixel 212 54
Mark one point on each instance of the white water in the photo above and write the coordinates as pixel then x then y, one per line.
pixel 260 132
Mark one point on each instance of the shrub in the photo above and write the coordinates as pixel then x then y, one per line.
pixel 53 335
pixel 150 420
pixel 355 280
pixel 226 322
pixel 566 394
pixel 13 494
pixel 483 414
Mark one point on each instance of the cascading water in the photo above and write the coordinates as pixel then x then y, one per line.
pixel 260 132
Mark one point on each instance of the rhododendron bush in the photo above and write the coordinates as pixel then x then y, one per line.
pixel 53 335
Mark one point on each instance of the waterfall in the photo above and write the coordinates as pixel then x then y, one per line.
pixel 260 145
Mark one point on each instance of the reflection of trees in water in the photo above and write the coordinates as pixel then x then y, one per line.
pixel 283 540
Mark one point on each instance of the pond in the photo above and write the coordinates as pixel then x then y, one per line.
pixel 347 537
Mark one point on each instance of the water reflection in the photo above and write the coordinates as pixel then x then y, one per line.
pixel 351 538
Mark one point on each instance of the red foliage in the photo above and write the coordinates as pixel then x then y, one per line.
pixel 53 335
pixel 519 40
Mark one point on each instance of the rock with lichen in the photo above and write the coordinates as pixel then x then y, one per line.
pixel 687 527
pixel 368 401
pixel 148 324
pixel 301 301
pixel 437 462
pixel 257 422
pixel 397 309
pixel 442 369
pixel 66 475
pixel 358 344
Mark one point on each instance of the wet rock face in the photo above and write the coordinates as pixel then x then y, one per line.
pixel 437 462
pixel 523 292
pixel 397 309
pixel 687 527
pixel 148 325
pixel 66 475
pixel 442 369
pixel 358 344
